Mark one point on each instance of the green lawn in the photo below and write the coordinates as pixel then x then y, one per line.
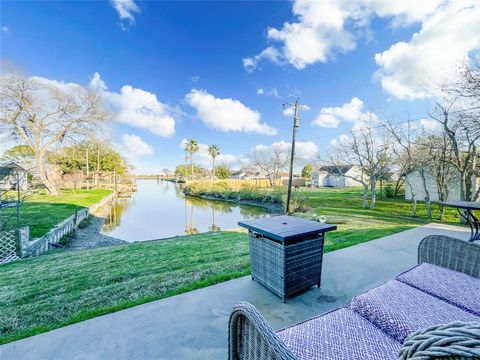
pixel 42 212
pixel 60 288
pixel 356 225
pixel 53 290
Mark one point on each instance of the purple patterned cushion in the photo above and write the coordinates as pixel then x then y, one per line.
pixel 399 309
pixel 341 334
pixel 454 287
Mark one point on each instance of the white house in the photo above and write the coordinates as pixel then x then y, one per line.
pixel 336 176
pixel 414 182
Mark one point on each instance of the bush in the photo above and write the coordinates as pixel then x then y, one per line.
pixel 389 191
pixel 219 189
pixel 298 201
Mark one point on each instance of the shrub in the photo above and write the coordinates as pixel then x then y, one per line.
pixel 298 201
pixel 389 191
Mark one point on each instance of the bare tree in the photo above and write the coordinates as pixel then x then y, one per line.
pixel 272 160
pixel 44 114
pixel 337 159
pixel 462 128
pixel 439 152
pixel 370 151
pixel 459 115
pixel 407 159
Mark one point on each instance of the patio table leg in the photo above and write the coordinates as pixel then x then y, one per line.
pixel 472 222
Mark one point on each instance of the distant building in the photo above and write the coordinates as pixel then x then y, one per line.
pixel 336 176
pixel 414 182
pixel 247 175
pixel 13 176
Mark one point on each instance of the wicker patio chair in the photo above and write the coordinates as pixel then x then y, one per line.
pixel 252 338
pixel 450 253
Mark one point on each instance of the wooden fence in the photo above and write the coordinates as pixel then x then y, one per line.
pixel 236 184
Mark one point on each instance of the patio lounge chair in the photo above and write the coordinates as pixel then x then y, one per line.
pixel 431 311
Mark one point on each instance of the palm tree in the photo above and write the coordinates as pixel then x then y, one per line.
pixel 213 151
pixel 191 147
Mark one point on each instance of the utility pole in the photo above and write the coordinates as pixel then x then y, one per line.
pixel 292 155
pixel 88 168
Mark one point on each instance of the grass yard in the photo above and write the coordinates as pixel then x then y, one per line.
pixel 60 288
pixel 356 225
pixel 42 212
pixel 53 290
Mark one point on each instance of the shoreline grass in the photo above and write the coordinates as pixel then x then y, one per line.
pixel 42 212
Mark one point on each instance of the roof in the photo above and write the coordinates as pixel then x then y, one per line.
pixel 336 170
pixel 254 173
pixel 6 169
pixel 13 164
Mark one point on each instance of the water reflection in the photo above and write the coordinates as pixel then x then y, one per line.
pixel 159 209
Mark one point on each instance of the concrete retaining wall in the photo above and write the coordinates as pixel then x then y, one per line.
pixel 17 243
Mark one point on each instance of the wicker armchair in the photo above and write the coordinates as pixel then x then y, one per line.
pixel 252 338
pixel 450 253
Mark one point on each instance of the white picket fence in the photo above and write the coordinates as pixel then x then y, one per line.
pixel 15 244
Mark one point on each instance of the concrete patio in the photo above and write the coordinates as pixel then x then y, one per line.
pixel 194 325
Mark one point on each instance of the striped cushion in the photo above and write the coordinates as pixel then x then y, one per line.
pixel 341 334
pixel 399 309
pixel 454 287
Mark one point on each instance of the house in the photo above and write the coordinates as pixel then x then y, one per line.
pixel 13 176
pixel 336 176
pixel 414 184
pixel 239 175
pixel 246 174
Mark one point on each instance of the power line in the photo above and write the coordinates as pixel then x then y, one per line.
pixel 383 125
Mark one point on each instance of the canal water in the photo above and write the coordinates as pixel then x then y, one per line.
pixel 159 209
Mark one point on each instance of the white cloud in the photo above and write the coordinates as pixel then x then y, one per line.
pixel 289 111
pixel 304 150
pixel 415 69
pixel 135 146
pixel 430 124
pixel 5 29
pixel 270 53
pixel 331 117
pixel 272 92
pixel 341 141
pixel 134 150
pixel 424 125
pixel 68 87
pixel 324 28
pixel 137 108
pixel 226 114
pixel 126 10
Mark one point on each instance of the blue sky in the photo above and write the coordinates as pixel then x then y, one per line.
pixel 176 70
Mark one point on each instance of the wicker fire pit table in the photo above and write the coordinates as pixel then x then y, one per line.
pixel 286 253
